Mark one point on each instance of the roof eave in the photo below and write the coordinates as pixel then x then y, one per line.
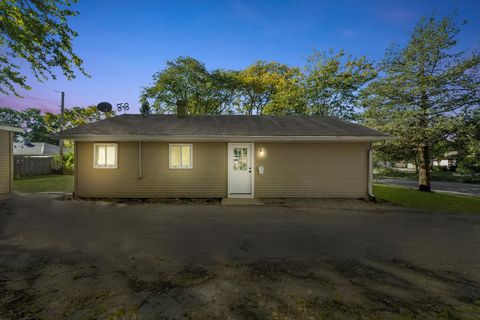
pixel 10 128
pixel 212 138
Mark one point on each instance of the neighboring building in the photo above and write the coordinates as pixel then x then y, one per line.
pixel 448 161
pixel 36 158
pixel 37 149
pixel 6 157
pixel 222 156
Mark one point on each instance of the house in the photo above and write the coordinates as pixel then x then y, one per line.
pixel 222 156
pixel 34 149
pixel 448 161
pixel 36 158
pixel 6 157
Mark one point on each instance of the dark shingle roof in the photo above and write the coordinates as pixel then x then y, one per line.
pixel 222 126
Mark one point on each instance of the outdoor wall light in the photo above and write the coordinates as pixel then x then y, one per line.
pixel 261 152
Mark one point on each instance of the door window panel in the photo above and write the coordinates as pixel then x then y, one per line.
pixel 240 159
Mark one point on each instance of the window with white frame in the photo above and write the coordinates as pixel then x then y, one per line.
pixel 180 156
pixel 105 155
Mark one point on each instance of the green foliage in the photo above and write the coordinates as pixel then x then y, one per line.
pixel 36 32
pixel 467 143
pixel 10 117
pixel 329 86
pixel 188 80
pixel 68 163
pixel 270 88
pixel 30 119
pixel 425 84
pixel 438 202
pixel 382 173
pixel 333 81
pixel 37 125
pixel 145 109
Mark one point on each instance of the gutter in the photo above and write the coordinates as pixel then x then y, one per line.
pixel 218 138
pixel 10 128
pixel 140 174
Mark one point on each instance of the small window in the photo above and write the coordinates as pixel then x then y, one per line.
pixel 180 156
pixel 105 155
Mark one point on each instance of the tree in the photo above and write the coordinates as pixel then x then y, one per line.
pixel 425 84
pixel 145 109
pixel 31 120
pixel 467 143
pixel 38 126
pixel 72 118
pixel 332 82
pixel 187 79
pixel 37 32
pixel 34 125
pixel 269 86
pixel 10 116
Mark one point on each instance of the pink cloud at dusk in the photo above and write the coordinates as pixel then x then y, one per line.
pixel 45 104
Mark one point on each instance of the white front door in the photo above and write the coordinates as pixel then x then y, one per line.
pixel 240 173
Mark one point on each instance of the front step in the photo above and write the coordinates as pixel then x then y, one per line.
pixel 242 202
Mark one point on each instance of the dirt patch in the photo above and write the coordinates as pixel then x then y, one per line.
pixel 143 201
pixel 190 276
pixel 360 204
pixel 73 287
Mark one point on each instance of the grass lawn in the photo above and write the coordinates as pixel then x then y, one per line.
pixel 427 200
pixel 48 183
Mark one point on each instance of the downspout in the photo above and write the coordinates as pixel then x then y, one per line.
pixel 75 169
pixel 140 174
pixel 11 160
pixel 370 172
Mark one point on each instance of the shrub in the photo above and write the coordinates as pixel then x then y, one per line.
pixel 68 163
pixel 391 172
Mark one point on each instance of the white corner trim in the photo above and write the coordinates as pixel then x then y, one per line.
pixel 370 171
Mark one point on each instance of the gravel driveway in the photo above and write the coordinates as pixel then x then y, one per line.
pixel 442 186
pixel 343 259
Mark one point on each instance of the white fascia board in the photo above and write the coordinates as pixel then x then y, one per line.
pixel 197 138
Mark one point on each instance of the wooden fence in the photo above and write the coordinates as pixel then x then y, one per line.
pixel 32 166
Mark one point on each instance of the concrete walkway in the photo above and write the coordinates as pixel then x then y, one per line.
pixel 440 186
pixel 242 202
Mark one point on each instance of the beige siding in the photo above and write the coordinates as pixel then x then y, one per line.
pixel 5 161
pixel 207 178
pixel 312 170
pixel 291 170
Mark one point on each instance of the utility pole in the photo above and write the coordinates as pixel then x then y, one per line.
pixel 60 142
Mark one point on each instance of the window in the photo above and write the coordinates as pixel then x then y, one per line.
pixel 180 156
pixel 105 155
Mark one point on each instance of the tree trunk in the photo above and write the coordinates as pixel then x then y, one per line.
pixel 424 168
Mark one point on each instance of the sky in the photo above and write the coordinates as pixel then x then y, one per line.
pixel 123 43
